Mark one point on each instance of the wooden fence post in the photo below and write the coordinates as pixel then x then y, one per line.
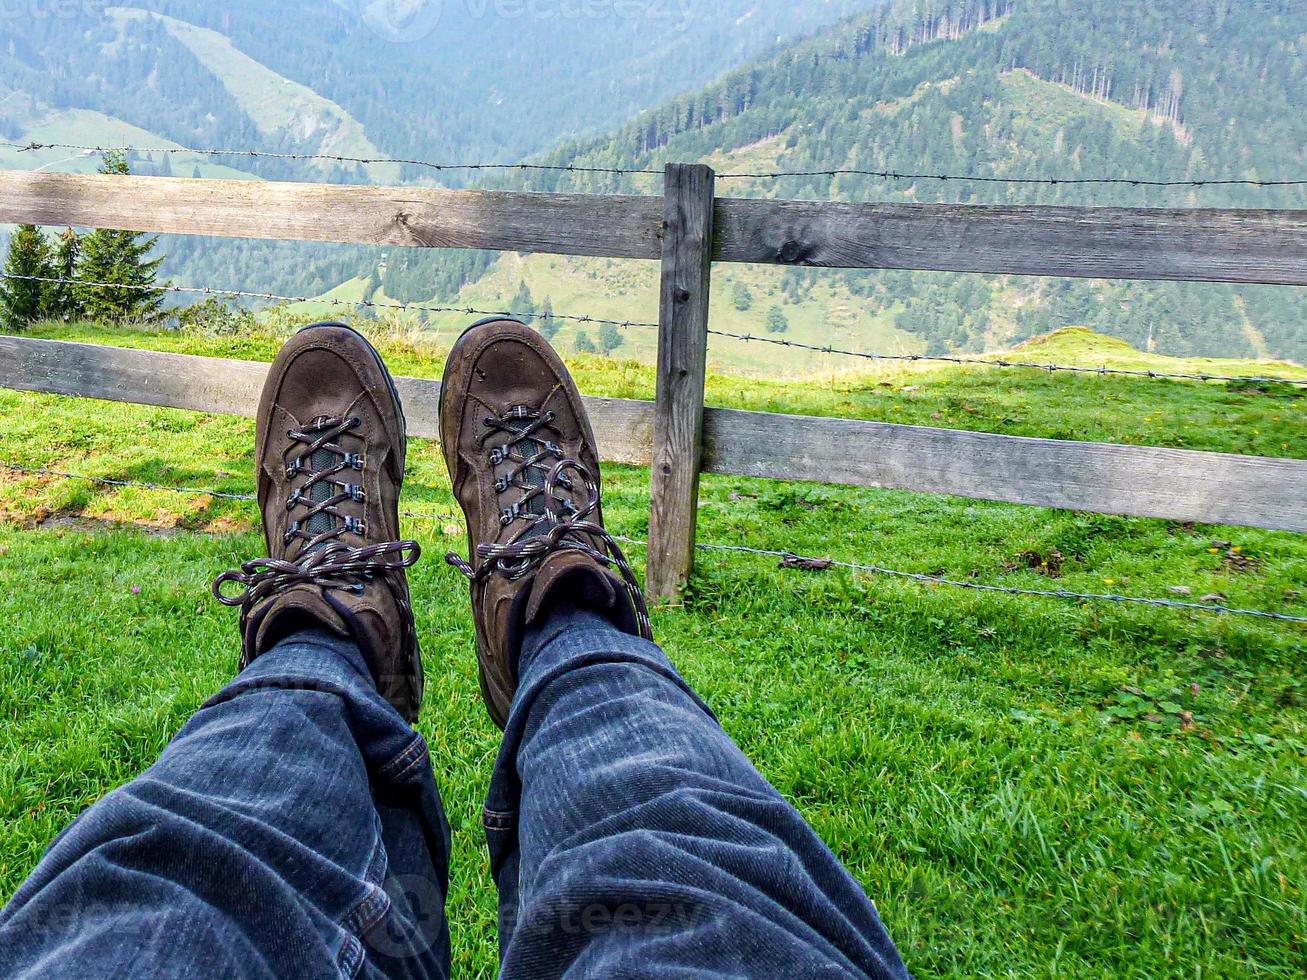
pixel 682 363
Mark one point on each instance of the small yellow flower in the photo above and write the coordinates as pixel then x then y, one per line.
pixel 1109 581
pixel 1214 551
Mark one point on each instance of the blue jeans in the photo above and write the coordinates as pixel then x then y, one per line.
pixel 293 828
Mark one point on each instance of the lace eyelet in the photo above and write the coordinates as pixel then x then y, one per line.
pixel 355 461
pixel 501 485
pixel 293 469
pixel 356 492
pixel 355 526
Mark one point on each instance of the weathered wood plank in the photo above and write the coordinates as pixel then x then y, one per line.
pixel 1181 485
pixel 1140 481
pixel 682 368
pixel 568 224
pixel 624 429
pixel 1204 245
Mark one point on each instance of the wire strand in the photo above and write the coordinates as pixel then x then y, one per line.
pixel 1044 181
pixel 331 157
pixel 34 146
pixel 1007 363
pixel 998 362
pixel 918 577
pixel 278 298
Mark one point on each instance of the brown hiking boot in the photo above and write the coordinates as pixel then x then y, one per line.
pixel 330 462
pixel 525 469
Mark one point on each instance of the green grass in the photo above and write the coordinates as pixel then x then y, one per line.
pixel 1014 781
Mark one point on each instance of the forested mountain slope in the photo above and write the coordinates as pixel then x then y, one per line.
pixel 1158 89
pixel 445 80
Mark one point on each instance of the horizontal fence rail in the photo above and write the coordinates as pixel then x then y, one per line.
pixel 689 229
pixel 1173 484
pixel 1213 245
pixel 419 217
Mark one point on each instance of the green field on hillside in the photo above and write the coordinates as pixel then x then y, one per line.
pixel 1026 787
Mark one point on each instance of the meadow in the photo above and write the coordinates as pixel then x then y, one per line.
pixel 1026 787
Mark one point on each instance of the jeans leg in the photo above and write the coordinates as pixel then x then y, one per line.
pixel 292 828
pixel 629 835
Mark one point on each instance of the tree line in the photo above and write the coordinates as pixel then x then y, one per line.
pixel 103 275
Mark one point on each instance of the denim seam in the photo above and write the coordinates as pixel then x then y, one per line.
pixel 409 768
pixel 350 959
pixel 404 760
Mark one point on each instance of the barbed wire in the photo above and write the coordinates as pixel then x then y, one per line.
pixel 999 362
pixel 353 304
pixel 798 561
pixel 1002 362
pixel 331 157
pixel 34 146
pixel 801 561
pixel 185 491
pixel 1045 181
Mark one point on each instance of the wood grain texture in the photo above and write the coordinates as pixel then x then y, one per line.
pixel 1139 481
pixel 1180 485
pixel 682 367
pixel 568 224
pixel 623 428
pixel 1204 245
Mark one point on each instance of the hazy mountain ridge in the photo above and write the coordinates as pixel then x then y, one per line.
pixel 1017 89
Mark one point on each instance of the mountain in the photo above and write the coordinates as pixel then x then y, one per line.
pixel 1157 89
pixel 445 80
pixel 489 80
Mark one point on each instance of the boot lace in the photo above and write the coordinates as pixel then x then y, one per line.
pixel 323 559
pixel 541 471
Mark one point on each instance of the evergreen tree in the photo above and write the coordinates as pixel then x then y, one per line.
pixel 524 303
pixel 610 338
pixel 21 300
pixel 549 324
pixel 584 345
pixel 120 261
pixel 743 298
pixel 62 300
pixel 374 284
pixel 776 320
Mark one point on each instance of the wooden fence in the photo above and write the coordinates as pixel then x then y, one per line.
pixel 689 229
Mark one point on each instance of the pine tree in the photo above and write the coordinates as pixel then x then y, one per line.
pixel 584 345
pixel 610 338
pixel 119 260
pixel 21 299
pixel 548 323
pixel 523 302
pixel 62 300
pixel 776 320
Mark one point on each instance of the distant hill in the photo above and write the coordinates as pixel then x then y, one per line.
pixel 1159 89
pixel 444 80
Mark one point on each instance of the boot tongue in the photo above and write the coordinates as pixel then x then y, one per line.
pixel 533 475
pixel 575 576
pixel 323 459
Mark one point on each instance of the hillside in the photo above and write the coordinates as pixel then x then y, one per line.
pixel 461 80
pixel 990 88
pixel 1027 787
